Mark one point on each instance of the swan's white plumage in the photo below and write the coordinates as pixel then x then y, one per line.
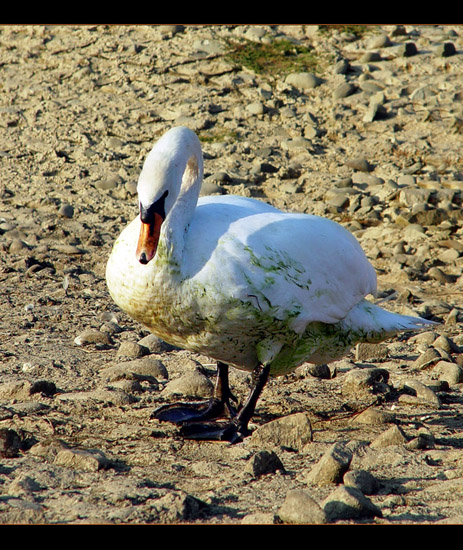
pixel 239 280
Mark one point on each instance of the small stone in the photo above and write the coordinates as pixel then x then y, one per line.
pixel 374 417
pixel 66 211
pixel 23 486
pixel 259 518
pixel 300 508
pixel 420 394
pixel 293 431
pixel 264 462
pixel 369 57
pixel 332 466
pixel 359 164
pixel 192 384
pixel 155 344
pixel 132 349
pixel 438 275
pixel 429 357
pixel 392 436
pixel 366 381
pixel 449 372
pixel 349 503
pixel 256 108
pixel 87 461
pixel 362 480
pixel 379 41
pixel 303 81
pixel 145 369
pixel 111 182
pixel 371 352
pixel 93 336
pixel 10 443
pixel 408 49
pixel 344 90
pixel 446 49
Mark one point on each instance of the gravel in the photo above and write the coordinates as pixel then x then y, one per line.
pixel 372 138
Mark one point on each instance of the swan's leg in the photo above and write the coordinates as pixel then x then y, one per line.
pixel 237 428
pixel 218 406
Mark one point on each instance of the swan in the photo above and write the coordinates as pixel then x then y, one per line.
pixel 240 281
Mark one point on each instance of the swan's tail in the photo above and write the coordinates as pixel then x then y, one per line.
pixel 376 323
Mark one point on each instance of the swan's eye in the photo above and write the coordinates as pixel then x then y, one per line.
pixel 147 214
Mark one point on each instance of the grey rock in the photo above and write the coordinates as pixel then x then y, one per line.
pixel 93 336
pixel 419 393
pixel 332 466
pixel 344 90
pixel 303 81
pixel 192 384
pixel 293 431
pixel 131 349
pixel 449 372
pixel 408 49
pixel 300 508
pixel 144 369
pixel 264 462
pixel 446 49
pixel 362 480
pixel 66 210
pixel 393 436
pixel 349 503
pixel 84 460
pixel 366 381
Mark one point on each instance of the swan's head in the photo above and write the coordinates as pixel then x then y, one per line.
pixel 172 169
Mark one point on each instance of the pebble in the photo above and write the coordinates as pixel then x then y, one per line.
pixel 393 436
pixel 408 49
pixel 300 508
pixel 293 431
pixel 366 381
pixel 10 443
pixel 374 417
pixel 446 49
pixel 344 90
pixel 93 336
pixel 347 503
pixel 66 211
pixel 448 372
pixel 418 393
pixel 371 352
pixel 264 462
pixel 191 384
pixel 146 369
pixel 303 81
pixel 132 350
pixel 83 460
pixel 332 466
pixel 362 480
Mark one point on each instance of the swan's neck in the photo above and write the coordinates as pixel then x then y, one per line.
pixel 178 219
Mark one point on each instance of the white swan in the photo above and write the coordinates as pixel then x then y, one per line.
pixel 240 281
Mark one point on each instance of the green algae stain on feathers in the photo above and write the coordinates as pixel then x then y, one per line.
pixel 279 262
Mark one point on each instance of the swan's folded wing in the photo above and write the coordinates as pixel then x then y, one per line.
pixel 299 268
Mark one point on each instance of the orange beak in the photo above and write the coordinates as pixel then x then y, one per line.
pixel 149 238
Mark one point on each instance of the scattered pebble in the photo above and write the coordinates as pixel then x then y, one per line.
pixel 300 508
pixel 346 503
pixel 293 431
pixel 331 468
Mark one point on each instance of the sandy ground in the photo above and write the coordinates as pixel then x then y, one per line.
pixel 80 108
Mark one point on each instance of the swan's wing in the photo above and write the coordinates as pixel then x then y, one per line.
pixel 297 267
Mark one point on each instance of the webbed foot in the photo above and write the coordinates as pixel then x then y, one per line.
pixel 178 413
pixel 232 431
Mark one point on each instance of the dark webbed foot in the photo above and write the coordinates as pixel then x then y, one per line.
pixel 178 413
pixel 196 419
pixel 231 431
